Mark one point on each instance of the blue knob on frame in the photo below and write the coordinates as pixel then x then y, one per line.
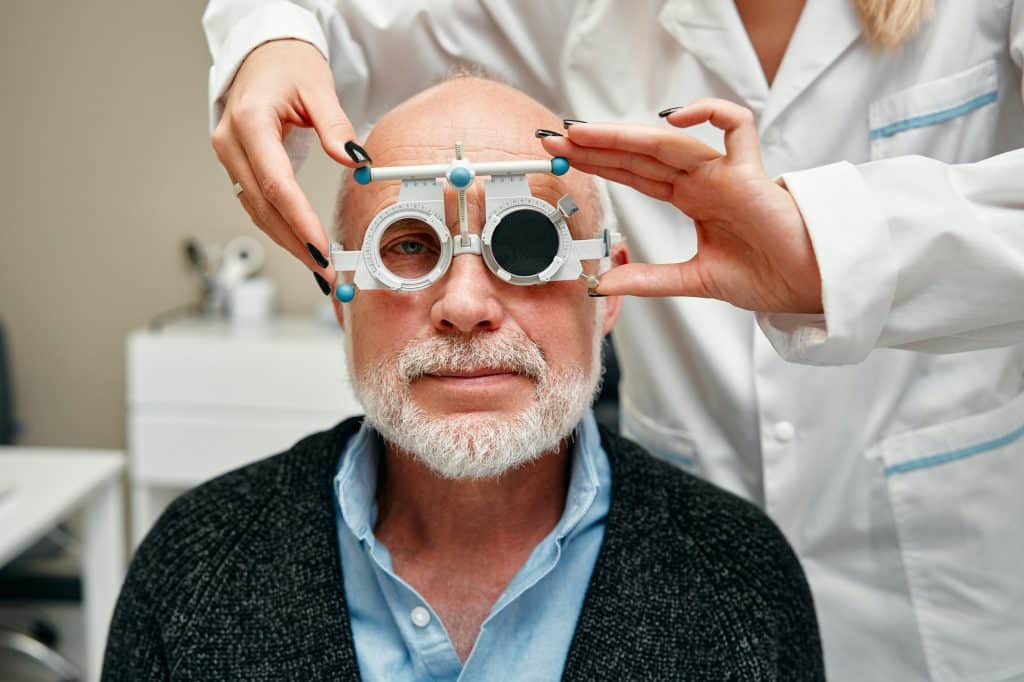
pixel 345 292
pixel 559 165
pixel 460 177
pixel 362 175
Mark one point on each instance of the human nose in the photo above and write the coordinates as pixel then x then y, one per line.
pixel 468 302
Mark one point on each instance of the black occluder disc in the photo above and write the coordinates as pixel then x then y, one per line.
pixel 524 242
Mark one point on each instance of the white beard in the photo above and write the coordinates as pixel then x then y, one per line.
pixel 477 445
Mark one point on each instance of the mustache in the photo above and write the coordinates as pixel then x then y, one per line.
pixel 510 352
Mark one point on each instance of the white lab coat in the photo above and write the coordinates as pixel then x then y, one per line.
pixel 897 471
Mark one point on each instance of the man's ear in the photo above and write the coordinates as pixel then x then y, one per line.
pixel 619 256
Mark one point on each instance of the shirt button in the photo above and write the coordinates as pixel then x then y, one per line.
pixel 420 617
pixel 784 431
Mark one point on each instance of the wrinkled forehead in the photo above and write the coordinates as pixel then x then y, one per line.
pixel 427 139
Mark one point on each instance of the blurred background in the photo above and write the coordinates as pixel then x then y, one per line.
pixel 108 169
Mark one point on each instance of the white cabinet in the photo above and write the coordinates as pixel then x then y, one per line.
pixel 90 484
pixel 205 397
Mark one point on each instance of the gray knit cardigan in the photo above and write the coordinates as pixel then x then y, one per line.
pixel 240 580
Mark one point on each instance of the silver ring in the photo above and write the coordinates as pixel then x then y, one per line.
pixel 238 189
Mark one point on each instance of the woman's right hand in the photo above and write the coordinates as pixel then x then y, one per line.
pixel 281 84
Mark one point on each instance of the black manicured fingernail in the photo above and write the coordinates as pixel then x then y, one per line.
pixel 594 294
pixel 541 132
pixel 666 112
pixel 570 121
pixel 322 283
pixel 317 256
pixel 357 153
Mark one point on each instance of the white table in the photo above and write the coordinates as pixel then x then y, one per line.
pixel 206 396
pixel 49 485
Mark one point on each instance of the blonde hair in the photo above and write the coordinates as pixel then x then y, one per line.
pixel 887 23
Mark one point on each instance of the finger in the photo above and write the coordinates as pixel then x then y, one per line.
pixel 671 147
pixel 273 225
pixel 332 126
pixel 652 188
pixel 275 181
pixel 738 123
pixel 646 279
pixel 278 231
pixel 262 213
pixel 638 164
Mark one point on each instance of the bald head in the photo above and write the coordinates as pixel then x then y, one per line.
pixel 495 122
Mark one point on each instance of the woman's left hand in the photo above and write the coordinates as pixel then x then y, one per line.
pixel 753 249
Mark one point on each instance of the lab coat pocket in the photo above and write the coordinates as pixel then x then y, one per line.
pixel 952 119
pixel 957 495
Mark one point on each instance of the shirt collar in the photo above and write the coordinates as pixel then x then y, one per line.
pixel 584 481
pixel 355 482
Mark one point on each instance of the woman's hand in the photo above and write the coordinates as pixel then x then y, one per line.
pixel 753 249
pixel 281 84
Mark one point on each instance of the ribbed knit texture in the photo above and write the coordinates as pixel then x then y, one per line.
pixel 240 580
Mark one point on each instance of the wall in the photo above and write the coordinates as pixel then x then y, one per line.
pixel 107 169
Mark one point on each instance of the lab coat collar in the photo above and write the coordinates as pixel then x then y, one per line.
pixel 713 32
pixel 825 31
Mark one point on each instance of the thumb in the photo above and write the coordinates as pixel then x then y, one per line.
pixel 645 279
pixel 331 124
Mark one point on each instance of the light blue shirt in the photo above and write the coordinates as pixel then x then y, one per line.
pixel 528 631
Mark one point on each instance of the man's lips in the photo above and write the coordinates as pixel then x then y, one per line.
pixel 471 374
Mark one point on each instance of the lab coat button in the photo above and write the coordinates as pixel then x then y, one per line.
pixel 784 431
pixel 420 617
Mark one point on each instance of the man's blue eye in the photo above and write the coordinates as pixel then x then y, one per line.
pixel 411 248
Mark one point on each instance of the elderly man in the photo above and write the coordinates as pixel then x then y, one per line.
pixel 477 524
